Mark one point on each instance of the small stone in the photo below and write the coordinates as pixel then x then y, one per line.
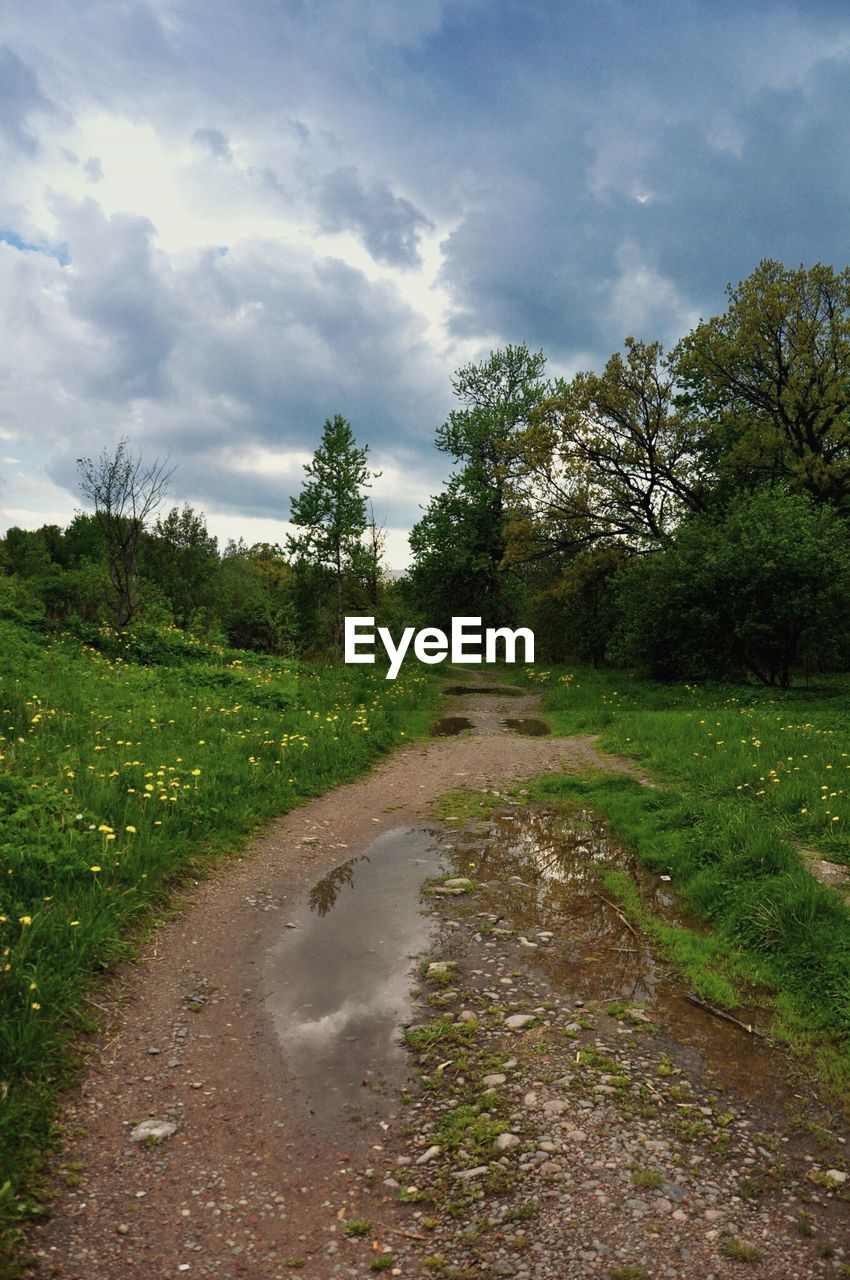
pixel 465 1015
pixel 458 882
pixel 554 1108
pixel 836 1177
pixel 157 1129
pixel 468 1175
pixel 518 1021
pixel 122 1229
pixel 430 1154
pixel 439 966
pixel 530 1099
pixel 506 1142
pixel 491 1081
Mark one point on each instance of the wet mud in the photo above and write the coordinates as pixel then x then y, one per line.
pixel 340 981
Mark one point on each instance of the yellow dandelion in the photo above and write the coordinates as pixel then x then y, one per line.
pixel 24 920
pixel 132 830
pixel 94 868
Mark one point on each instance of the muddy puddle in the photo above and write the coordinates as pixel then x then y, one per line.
pixel 528 727
pixel 338 983
pixel 538 871
pixel 497 690
pixel 450 726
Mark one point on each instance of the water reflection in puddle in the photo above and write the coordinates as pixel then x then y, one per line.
pixel 528 727
pixel 449 726
pixel 340 982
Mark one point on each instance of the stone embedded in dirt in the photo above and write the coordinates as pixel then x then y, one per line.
pixel 444 891
pixel 490 1081
pixel 458 882
pixel 506 1141
pixel 467 1175
pixel 554 1108
pixel 836 1177
pixel 466 1015
pixel 439 967
pixel 518 1021
pixel 430 1154
pixel 157 1130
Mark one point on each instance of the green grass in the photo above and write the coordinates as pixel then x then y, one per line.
pixel 780 758
pixel 116 780
pixel 727 835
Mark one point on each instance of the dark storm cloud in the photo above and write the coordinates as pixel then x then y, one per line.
pixel 388 225
pixel 595 169
pixel 20 97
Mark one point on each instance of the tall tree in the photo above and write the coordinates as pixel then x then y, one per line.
pixel 459 544
pixel 768 382
pixel 331 508
pixel 607 460
pixel 126 492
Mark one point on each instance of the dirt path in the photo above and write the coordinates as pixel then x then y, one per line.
pixel 240 1187
pixel 254 1181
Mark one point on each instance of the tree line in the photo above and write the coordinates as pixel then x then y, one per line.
pixel 128 565
pixel 682 512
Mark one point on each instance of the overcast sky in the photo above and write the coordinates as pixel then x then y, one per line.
pixel 222 223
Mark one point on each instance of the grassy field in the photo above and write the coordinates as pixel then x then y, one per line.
pixel 124 765
pixel 747 777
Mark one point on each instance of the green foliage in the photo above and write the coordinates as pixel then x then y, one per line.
pixel 182 557
pixel 606 459
pixel 767 385
pixel 459 544
pixel 754 590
